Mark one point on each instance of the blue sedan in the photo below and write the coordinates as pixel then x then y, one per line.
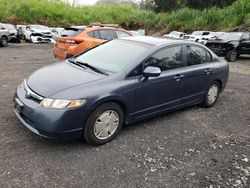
pixel 94 94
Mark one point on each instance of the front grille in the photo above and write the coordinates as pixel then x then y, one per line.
pixel 31 94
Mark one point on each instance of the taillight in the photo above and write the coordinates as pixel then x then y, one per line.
pixel 77 41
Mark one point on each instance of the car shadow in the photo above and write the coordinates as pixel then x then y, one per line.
pixel 127 129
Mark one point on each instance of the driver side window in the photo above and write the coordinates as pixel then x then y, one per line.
pixel 166 59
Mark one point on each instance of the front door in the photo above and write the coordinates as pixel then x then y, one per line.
pixel 158 94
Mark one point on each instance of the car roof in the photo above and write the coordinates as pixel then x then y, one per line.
pixel 90 28
pixel 77 26
pixel 155 41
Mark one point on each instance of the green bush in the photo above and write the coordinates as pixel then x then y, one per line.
pixel 184 19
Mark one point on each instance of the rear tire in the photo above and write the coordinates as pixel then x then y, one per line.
pixel 103 124
pixel 231 55
pixel 211 95
pixel 4 41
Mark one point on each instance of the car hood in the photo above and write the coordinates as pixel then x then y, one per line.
pixel 60 76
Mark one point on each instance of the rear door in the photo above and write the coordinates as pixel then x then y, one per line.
pixel 201 71
pixel 166 91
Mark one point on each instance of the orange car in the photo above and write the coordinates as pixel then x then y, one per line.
pixel 77 39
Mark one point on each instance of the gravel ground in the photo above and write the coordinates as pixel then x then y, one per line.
pixel 194 147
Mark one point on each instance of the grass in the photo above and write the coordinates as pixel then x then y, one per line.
pixel 185 19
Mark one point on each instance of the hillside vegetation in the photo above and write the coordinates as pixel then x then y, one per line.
pixel 185 19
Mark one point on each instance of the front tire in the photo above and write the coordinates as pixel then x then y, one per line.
pixel 231 55
pixel 212 95
pixel 4 41
pixel 103 124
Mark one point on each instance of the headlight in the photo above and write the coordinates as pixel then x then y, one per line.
pixel 61 104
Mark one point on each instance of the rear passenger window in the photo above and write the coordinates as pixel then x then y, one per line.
pixel 197 55
pixel 97 34
pixel 166 59
pixel 94 34
pixel 106 34
pixel 91 34
pixel 209 57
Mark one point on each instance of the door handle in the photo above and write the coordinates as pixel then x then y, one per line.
pixel 178 77
pixel 208 71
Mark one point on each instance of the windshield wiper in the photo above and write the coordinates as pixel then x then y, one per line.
pixel 92 68
pixel 86 65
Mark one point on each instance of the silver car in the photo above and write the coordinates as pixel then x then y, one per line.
pixel 4 36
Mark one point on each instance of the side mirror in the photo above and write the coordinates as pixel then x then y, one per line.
pixel 151 72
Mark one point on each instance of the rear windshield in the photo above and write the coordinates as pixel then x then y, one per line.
pixel 71 32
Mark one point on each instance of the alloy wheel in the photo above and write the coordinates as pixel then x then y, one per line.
pixel 212 94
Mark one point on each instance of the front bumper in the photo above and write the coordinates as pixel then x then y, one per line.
pixel 49 123
pixel 39 39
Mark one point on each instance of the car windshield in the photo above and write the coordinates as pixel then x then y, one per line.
pixel 197 33
pixel 113 56
pixel 41 27
pixel 10 27
pixel 230 36
pixel 174 33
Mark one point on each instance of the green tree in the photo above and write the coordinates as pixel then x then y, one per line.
pixel 170 5
pixel 208 3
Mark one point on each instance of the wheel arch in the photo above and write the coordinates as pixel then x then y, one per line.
pixel 4 36
pixel 111 99
pixel 220 84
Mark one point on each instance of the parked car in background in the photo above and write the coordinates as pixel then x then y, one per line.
pixel 21 30
pixel 231 45
pixel 56 32
pixel 175 35
pixel 77 39
pixel 38 34
pixel 196 35
pixel 120 82
pixel 14 36
pixel 4 36
pixel 211 36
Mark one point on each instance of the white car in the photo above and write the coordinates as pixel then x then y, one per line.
pixel 38 34
pixel 196 35
pixel 211 36
pixel 175 35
